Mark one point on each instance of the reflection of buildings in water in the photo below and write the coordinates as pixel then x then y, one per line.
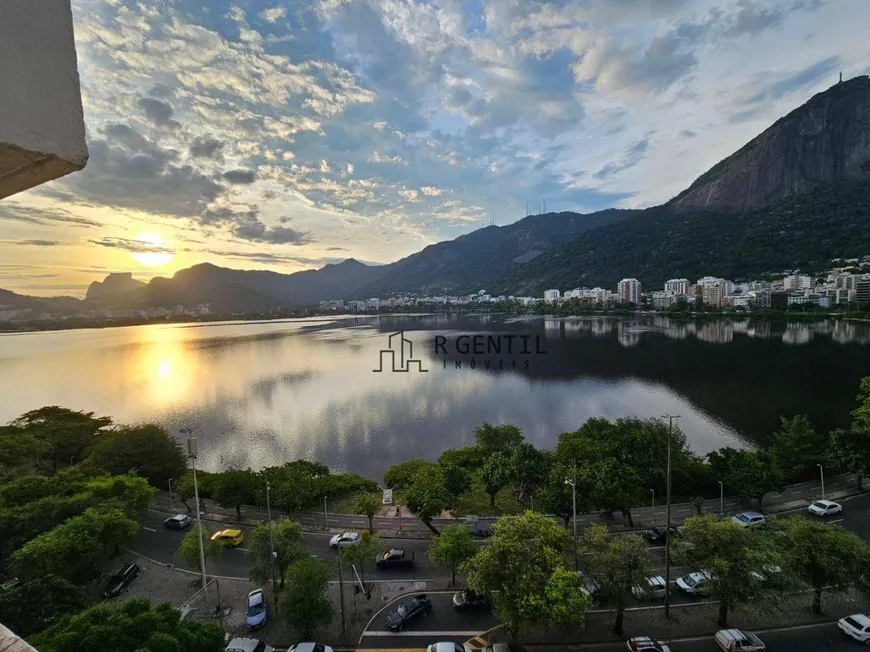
pixel 601 327
pixel 742 327
pixel 797 334
pixel 552 325
pixel 627 334
pixel 715 332
pixel 760 329
pixel 663 323
pixel 824 327
pixel 574 326
pixel 846 332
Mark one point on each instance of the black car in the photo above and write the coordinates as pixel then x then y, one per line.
pixel 120 580
pixel 468 600
pixel 659 534
pixel 408 611
pixel 395 559
pixel 178 522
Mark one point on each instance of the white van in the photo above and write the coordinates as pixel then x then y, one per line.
pixel 736 640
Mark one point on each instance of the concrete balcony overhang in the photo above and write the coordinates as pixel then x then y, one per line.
pixel 42 130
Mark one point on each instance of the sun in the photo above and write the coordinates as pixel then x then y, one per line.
pixel 154 250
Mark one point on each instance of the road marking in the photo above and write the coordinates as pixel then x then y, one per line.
pixel 150 529
pixel 242 549
pixel 838 520
pixel 421 634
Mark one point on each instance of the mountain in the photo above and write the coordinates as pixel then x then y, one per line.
pixel 11 300
pixel 823 141
pixel 113 285
pixel 470 261
pixel 804 231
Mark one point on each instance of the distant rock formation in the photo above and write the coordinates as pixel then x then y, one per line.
pixel 113 285
pixel 826 140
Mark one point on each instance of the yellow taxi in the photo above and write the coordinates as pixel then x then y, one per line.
pixel 229 537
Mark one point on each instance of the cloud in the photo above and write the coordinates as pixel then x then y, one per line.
pixel 32 243
pixel 243 177
pixel 377 157
pixel 12 210
pixel 157 111
pixel 336 249
pixel 244 223
pixel 132 246
pixel 207 148
pixel 430 191
pixel 633 154
pixel 272 14
pixel 795 81
pixel 410 195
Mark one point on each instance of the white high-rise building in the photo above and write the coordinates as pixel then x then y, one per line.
pixel 551 295
pixel 677 286
pixel 629 290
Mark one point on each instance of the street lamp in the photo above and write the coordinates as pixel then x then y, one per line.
pixel 191 454
pixel 573 485
pixel 170 493
pixel 721 499
pixel 653 492
pixel 822 472
pixel 272 557
pixel 670 419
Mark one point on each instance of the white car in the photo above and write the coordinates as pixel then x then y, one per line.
pixel 736 640
pixel 770 571
pixel 256 609
pixel 652 589
pixel 448 647
pixel 857 626
pixel 749 519
pixel 344 540
pixel 309 647
pixel 825 508
pixel 248 645
pixel 646 644
pixel 697 583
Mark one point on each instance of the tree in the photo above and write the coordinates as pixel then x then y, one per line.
pixel 289 546
pixel 558 497
pixel 824 556
pixel 496 473
pixel 470 457
pixel 400 475
pixel 614 486
pixel 306 607
pixel 363 554
pixel 32 606
pixel 618 564
pixel 20 448
pixel 368 504
pixel 850 450
pixel 149 450
pixel 427 496
pixel 525 570
pixel 529 468
pixel 456 478
pixel 502 438
pixel 129 493
pixel 750 473
pixel 797 447
pixel 130 625
pixel 69 434
pixel 72 549
pixel 188 549
pixel 732 554
pixel 236 487
pixel 454 546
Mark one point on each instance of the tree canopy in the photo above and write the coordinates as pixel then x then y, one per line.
pixel 502 438
pixel 797 447
pixel 289 546
pixel 306 607
pixel 188 549
pixel 149 450
pixel 427 496
pixel 34 605
pixel 454 546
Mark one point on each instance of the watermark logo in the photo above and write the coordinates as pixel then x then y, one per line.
pixel 400 353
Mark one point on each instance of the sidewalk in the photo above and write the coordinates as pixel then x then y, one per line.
pixel 792 497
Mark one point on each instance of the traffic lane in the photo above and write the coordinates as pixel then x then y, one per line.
pixel 443 623
pixel 855 516
pixel 822 637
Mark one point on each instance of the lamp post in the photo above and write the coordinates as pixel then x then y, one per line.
pixel 169 482
pixel 670 419
pixel 721 499
pixel 822 472
pixel 272 557
pixel 653 492
pixel 191 454
pixel 573 484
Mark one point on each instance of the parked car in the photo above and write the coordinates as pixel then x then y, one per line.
pixel 646 644
pixel 9 584
pixel 468 600
pixel 654 588
pixel 659 534
pixel 120 580
pixel 231 537
pixel 825 508
pixel 309 647
pixel 395 558
pixel 589 586
pixel 178 522
pixel 448 647
pixel 344 540
pixel 749 519
pixel 857 626
pixel 248 645
pixel 256 609
pixel 697 583
pixel 408 611
pixel 768 573
pixel 736 640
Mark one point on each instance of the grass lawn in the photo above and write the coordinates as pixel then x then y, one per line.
pixel 476 501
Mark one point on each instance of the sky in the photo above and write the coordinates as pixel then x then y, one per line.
pixel 286 135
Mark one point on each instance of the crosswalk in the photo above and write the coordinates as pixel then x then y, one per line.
pixel 477 643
